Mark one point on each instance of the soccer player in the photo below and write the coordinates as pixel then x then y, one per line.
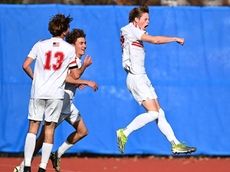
pixel 53 58
pixel 133 55
pixel 69 112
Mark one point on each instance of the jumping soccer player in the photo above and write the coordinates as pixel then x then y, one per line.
pixel 138 83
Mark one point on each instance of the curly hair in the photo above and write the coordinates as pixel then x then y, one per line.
pixel 74 35
pixel 59 24
pixel 137 12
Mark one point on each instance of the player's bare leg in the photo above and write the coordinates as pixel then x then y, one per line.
pixel 79 133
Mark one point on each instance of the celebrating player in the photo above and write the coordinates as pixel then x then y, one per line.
pixel 138 83
pixel 53 57
pixel 69 111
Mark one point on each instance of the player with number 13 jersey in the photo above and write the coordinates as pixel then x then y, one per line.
pixel 53 57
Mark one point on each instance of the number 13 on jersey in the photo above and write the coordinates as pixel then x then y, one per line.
pixel 49 64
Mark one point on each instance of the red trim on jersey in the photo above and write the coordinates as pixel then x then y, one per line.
pixel 138 44
pixel 72 62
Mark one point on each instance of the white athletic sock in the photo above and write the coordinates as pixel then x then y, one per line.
pixel 22 164
pixel 166 128
pixel 29 148
pixel 46 151
pixel 63 148
pixel 140 121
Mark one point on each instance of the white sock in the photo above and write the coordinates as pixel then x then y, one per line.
pixel 46 151
pixel 140 121
pixel 166 128
pixel 29 148
pixel 22 164
pixel 63 148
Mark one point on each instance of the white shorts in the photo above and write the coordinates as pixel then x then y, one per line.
pixel 47 109
pixel 69 112
pixel 140 87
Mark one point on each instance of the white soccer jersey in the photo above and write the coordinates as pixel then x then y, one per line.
pixel 53 58
pixel 70 89
pixel 133 54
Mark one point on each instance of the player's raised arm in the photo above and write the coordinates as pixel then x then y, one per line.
pixel 86 63
pixel 161 39
pixel 76 72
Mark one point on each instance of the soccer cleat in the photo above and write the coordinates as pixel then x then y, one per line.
pixel 55 161
pixel 182 149
pixel 27 169
pixel 121 140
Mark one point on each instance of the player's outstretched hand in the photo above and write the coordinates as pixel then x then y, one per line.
pixel 180 41
pixel 93 85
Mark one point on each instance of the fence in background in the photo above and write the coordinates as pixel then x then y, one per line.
pixel 192 81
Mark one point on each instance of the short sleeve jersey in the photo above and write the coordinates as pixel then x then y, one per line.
pixel 53 58
pixel 133 54
pixel 70 88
